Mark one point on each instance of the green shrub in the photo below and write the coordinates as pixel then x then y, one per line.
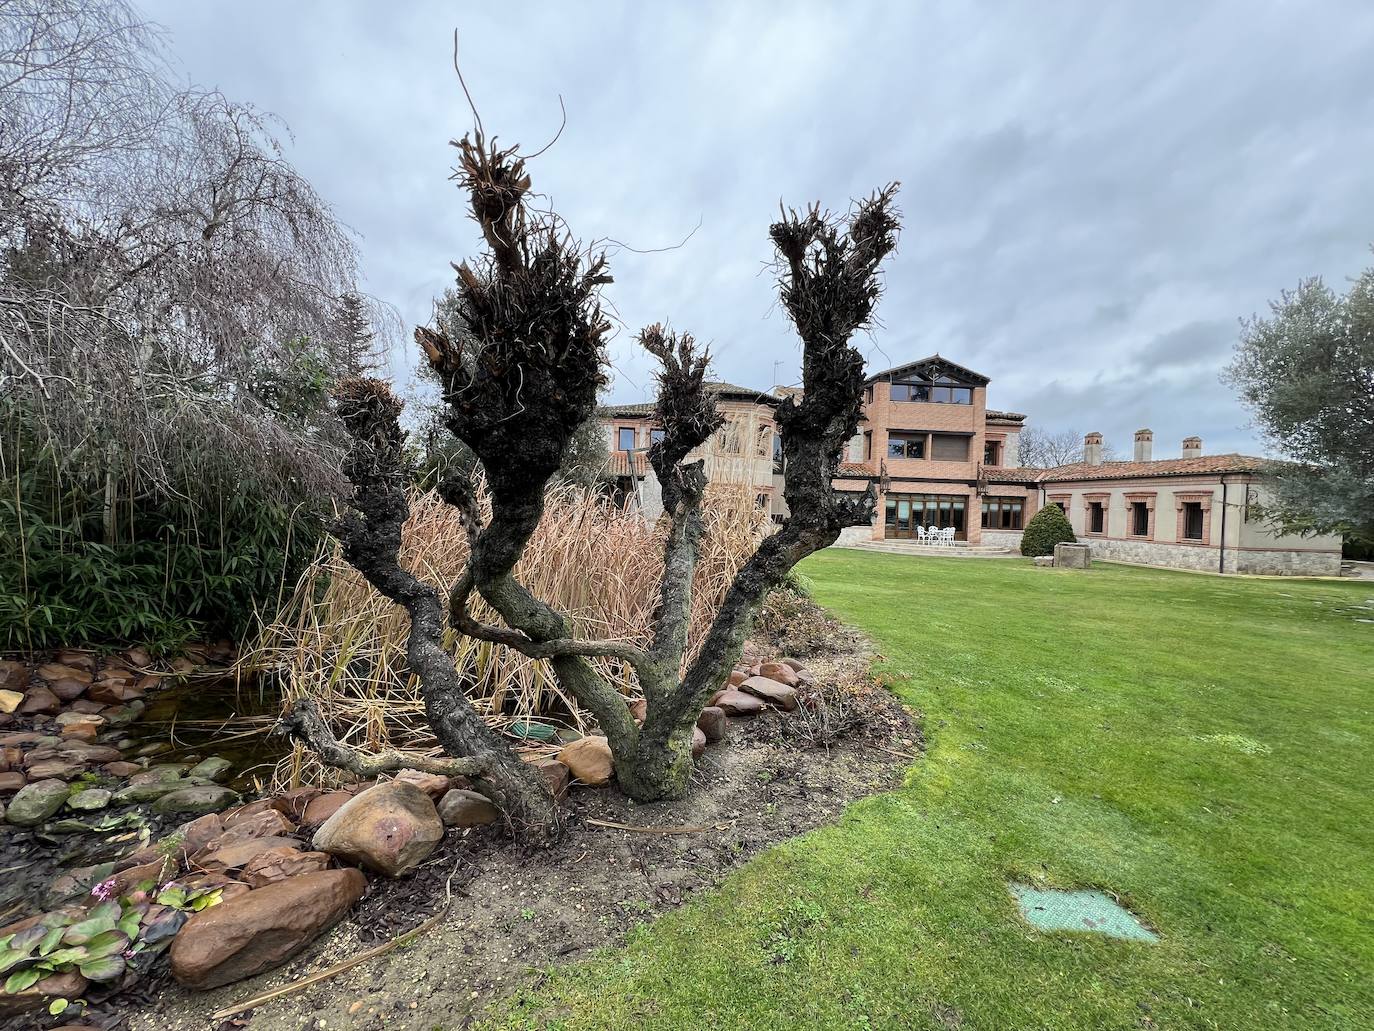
pixel 1048 527
pixel 179 566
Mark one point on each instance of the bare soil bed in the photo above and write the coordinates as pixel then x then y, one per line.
pixel 511 912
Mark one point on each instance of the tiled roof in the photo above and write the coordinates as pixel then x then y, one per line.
pixel 998 474
pixel 638 411
pixel 855 469
pixel 1005 416
pixel 1203 465
pixel 937 360
pixel 619 466
pixel 727 391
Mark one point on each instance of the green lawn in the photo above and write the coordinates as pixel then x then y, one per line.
pixel 1202 747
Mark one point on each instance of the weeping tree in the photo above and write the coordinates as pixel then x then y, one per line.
pixel 516 386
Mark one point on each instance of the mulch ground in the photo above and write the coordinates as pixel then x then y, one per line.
pixel 511 912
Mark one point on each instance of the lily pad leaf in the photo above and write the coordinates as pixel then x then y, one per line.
pixel 22 979
pixel 107 968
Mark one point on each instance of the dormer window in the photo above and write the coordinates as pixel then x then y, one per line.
pixel 625 439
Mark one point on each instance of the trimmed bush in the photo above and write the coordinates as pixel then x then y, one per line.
pixel 1048 527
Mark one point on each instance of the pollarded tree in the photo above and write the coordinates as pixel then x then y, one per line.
pixel 531 305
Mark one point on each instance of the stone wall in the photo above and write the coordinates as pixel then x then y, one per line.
pixel 1002 539
pixel 1186 556
pixel 1289 563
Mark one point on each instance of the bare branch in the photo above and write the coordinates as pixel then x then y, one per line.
pixel 304 723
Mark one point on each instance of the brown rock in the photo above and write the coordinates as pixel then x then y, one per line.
pixel 796 665
pixel 118 768
pixel 639 708
pixel 77 658
pixel 229 888
pixel 278 864
pixel 138 656
pixel 589 760
pixel 66 986
pixel 10 700
pixel 39 701
pixel 233 856
pixel 737 677
pixel 463 808
pixel 389 828
pixel 22 737
pixel 85 705
pixel 737 703
pixel 14 676
pixel 114 692
pixel 59 769
pixel 556 776
pixel 783 674
pixel 11 782
pixel 712 723
pixel 320 809
pixel 11 757
pixel 432 784
pixel 81 731
pixel 266 823
pixel 262 929
pixel 67 688
pixel 698 743
pixel 198 833
pixel 240 813
pixel 63 670
pixel 125 881
pixel 292 804
pixel 771 691
pixel 85 752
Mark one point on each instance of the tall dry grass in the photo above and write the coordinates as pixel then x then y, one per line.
pixel 340 642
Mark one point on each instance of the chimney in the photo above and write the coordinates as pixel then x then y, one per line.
pixel 1144 445
pixel 1192 447
pixel 1092 449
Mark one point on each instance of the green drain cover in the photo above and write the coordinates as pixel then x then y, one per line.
pixel 1055 910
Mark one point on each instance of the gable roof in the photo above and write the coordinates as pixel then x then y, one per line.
pixel 1201 466
pixel 932 366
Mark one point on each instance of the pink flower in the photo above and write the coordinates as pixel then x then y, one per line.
pixel 104 891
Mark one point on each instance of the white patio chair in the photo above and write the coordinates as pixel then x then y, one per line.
pixel 921 537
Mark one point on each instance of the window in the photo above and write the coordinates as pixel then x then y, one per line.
pixel 763 442
pixel 868 394
pixel 761 500
pixel 1062 506
pixel 1192 520
pixel 868 446
pixel 729 438
pixel 1097 517
pixel 625 439
pixel 992 452
pixel 655 436
pixel 946 447
pixel 1140 519
pixel 906 445
pixel 943 391
pixel 1002 513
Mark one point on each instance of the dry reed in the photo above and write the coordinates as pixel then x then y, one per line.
pixel 340 642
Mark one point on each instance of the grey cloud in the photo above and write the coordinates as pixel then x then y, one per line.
pixel 1093 193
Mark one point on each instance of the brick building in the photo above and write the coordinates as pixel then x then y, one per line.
pixel 939 457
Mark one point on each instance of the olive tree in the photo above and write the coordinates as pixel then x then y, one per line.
pixel 516 387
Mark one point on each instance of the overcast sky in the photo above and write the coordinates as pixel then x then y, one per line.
pixel 1093 194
